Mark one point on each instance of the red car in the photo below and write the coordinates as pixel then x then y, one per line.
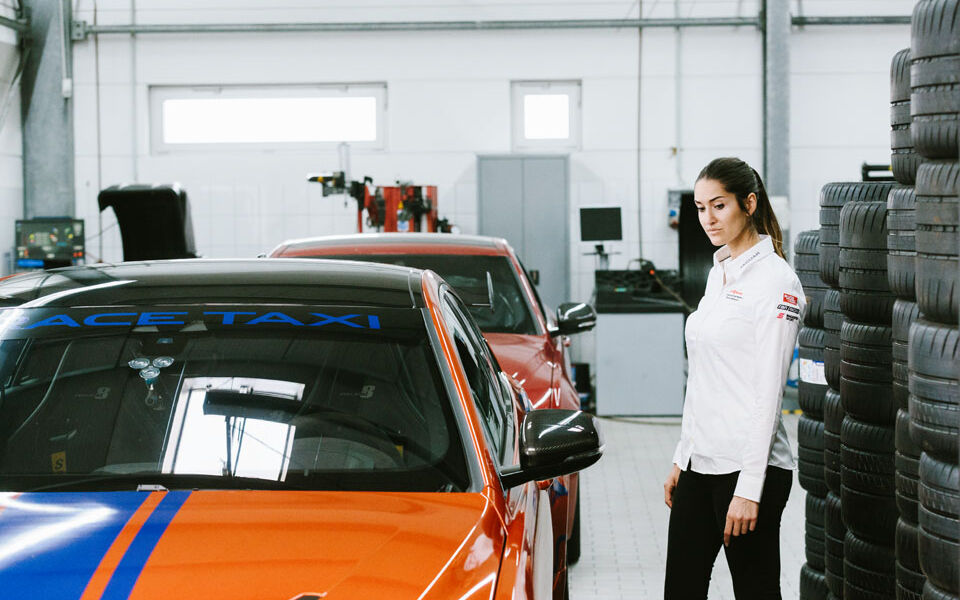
pixel 529 341
pixel 267 430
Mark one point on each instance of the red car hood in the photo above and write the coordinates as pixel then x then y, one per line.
pixel 527 358
pixel 263 545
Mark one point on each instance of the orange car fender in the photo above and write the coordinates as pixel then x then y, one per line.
pixel 526 571
pixel 473 571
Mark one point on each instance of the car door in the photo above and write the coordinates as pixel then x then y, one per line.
pixel 526 509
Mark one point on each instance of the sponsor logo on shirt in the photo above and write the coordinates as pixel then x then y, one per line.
pixel 735 295
pixel 787 316
pixel 790 299
pixel 788 308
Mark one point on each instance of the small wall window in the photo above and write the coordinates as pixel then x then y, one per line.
pixel 546 114
pixel 266 117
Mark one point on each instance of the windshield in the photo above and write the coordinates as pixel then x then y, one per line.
pixel 468 275
pixel 223 397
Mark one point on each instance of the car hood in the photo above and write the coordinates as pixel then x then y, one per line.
pixel 527 359
pixel 246 544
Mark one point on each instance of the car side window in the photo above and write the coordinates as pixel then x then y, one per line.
pixel 536 294
pixel 495 411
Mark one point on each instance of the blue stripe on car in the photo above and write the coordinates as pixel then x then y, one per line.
pixel 130 567
pixel 51 543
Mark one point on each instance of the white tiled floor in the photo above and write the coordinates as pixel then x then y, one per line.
pixel 624 519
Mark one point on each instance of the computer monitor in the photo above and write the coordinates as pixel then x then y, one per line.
pixel 49 242
pixel 600 224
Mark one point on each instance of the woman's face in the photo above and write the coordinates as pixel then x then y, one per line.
pixel 720 215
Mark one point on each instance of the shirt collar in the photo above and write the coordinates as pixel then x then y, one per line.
pixel 749 257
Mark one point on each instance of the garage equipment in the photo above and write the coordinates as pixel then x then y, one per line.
pixel 49 242
pixel 399 208
pixel 640 356
pixel 154 220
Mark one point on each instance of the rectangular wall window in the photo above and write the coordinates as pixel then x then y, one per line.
pixel 266 117
pixel 546 115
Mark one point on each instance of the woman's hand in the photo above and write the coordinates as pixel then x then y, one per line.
pixel 741 518
pixel 670 484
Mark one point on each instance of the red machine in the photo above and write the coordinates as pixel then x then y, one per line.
pixel 400 208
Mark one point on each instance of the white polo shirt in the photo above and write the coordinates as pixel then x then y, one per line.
pixel 740 343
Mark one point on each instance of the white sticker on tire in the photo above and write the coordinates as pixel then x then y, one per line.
pixel 811 371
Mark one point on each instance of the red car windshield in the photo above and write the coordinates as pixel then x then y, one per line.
pixel 511 312
pixel 215 396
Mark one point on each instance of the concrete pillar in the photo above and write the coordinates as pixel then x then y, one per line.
pixel 776 97
pixel 48 154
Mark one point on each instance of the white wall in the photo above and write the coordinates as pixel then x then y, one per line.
pixel 449 100
pixel 11 146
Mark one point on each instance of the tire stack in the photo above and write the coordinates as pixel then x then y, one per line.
pixel 901 268
pixel 833 197
pixel 933 354
pixel 867 499
pixel 834 529
pixel 812 388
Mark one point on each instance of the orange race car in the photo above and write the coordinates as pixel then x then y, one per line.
pixel 268 430
pixel 529 340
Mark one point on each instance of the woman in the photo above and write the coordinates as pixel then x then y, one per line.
pixel 731 471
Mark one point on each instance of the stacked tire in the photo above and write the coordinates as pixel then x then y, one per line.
pixel 867 493
pixel 933 348
pixel 901 271
pixel 812 388
pixel 860 507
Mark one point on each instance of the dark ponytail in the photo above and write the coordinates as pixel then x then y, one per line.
pixel 741 180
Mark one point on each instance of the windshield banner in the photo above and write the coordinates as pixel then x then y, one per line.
pixel 45 322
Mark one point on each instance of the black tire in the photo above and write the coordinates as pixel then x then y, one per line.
pixel 834 533
pixel 938 294
pixel 907 483
pixel 869 566
pixel 807 263
pixel 903 159
pixel 905 313
pixel 934 79
pixel 810 433
pixel 832 197
pixel 870 517
pixel 813 585
pixel 810 472
pixel 904 441
pixel 906 461
pixel 837 194
pixel 866 351
pixel 832 425
pixel 901 242
pixel 934 388
pixel 832 412
pixel 814 547
pixel 867 457
pixel 906 545
pixel 864 289
pixel 810 396
pixel 909 583
pixel 939 517
pixel 814 509
pixel 930 592
pixel 870 402
pixel 832 323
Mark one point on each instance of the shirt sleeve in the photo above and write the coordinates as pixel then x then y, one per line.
pixel 778 323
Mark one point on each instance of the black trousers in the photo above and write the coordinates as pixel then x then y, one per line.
pixel 697 520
